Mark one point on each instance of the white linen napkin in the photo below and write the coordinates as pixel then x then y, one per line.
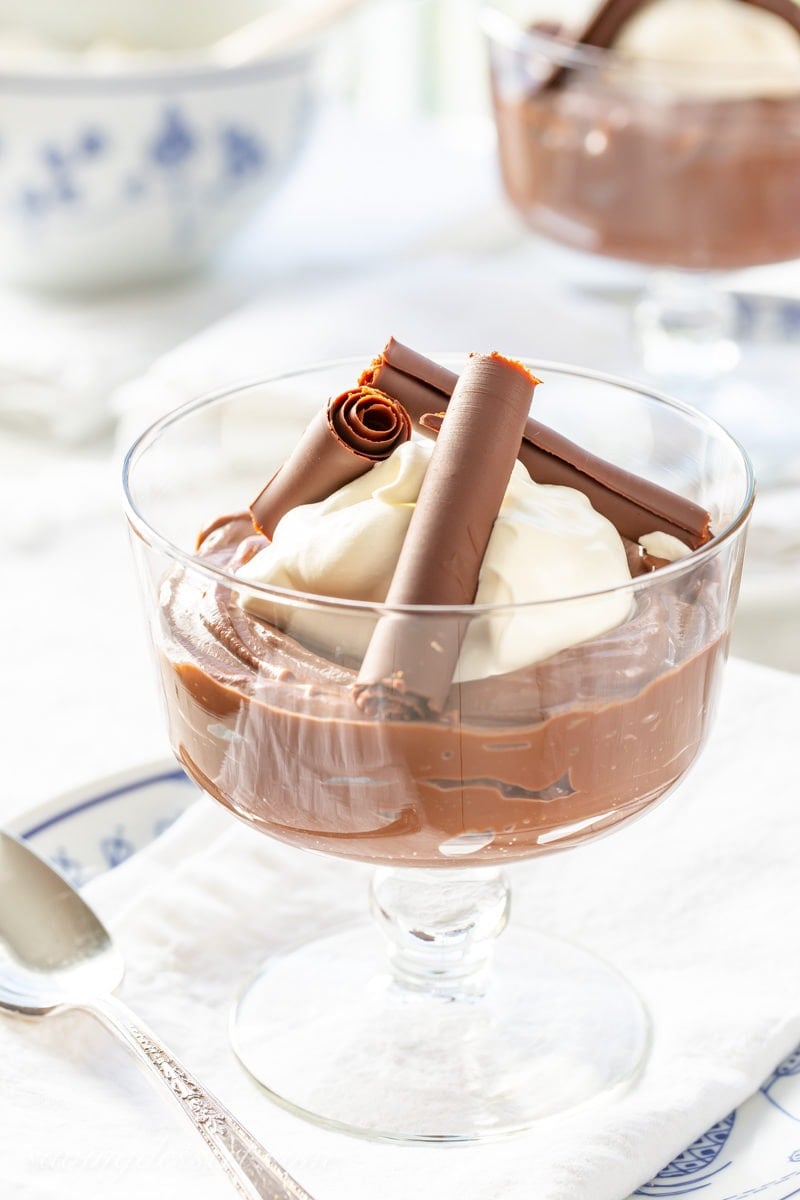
pixel 692 903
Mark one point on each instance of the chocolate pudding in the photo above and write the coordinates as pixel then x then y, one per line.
pixel 611 160
pixel 516 764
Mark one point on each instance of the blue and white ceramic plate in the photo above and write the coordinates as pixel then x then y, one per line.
pixel 95 828
pixel 753 1154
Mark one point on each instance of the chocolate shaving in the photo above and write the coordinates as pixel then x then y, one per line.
pixel 408 667
pixel 218 523
pixel 356 429
pixel 634 505
pixel 603 29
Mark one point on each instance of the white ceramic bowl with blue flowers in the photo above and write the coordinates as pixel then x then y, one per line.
pixel 127 152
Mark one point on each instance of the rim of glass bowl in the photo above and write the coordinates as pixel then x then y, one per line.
pixel 193 65
pixel 505 30
pixel 156 541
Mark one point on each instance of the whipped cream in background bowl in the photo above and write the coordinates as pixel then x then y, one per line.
pixel 128 152
pixel 580 698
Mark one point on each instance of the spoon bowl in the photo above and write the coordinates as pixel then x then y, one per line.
pixel 55 953
pixel 54 950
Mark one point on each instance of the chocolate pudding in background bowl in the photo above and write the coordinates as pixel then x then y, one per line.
pixel 582 687
pixel 663 134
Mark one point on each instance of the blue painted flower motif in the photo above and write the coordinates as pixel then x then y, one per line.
pixel 133 187
pixel 785 1099
pixel 243 154
pixel 690 1172
pixel 33 202
pixel 68 866
pixel 790 313
pixel 93 143
pixel 163 823
pixel 789 1066
pixel 54 157
pixel 116 848
pixel 61 164
pixel 174 142
pixel 65 192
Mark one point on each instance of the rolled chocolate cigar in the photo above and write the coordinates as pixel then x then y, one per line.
pixel 600 31
pixel 408 667
pixel 634 505
pixel 356 429
pixel 603 28
pixel 639 562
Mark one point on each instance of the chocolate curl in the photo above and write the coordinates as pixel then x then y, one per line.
pixel 604 27
pixel 634 505
pixel 408 667
pixel 357 429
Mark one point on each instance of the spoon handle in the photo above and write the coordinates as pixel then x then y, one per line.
pixel 249 1167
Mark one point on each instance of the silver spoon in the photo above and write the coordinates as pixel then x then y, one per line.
pixel 55 954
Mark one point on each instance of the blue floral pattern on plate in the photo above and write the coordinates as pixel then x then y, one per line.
pixel 692 1169
pixel 778 1090
pixel 95 829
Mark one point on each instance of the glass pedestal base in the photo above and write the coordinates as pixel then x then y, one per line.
pixel 341 1042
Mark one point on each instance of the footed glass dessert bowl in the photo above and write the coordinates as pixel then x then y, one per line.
pixel 566 716
pixel 661 138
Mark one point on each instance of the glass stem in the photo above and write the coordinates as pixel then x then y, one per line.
pixel 441 926
pixel 685 325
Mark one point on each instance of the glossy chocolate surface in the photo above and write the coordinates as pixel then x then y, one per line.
pixel 517 764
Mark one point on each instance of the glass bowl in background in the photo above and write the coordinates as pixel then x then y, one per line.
pixel 460 1034
pixel 689 174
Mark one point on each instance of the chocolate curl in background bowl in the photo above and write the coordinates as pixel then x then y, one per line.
pixel 632 504
pixel 409 664
pixel 603 28
pixel 356 429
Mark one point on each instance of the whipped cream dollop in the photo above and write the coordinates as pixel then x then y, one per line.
pixel 665 546
pixel 714 48
pixel 547 544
